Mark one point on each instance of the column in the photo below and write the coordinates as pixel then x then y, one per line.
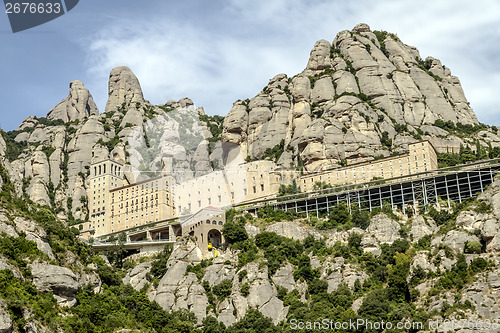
pixel 403 198
pixel 447 191
pixel 458 189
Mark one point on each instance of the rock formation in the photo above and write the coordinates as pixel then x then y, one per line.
pixel 78 105
pixel 352 90
pixel 123 88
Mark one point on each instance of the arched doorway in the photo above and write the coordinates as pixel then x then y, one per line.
pixel 214 236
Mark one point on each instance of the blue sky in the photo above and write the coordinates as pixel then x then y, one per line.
pixel 216 52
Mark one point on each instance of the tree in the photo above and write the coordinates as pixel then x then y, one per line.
pixel 293 188
pixel 354 244
pixel 360 218
pixel 235 231
pixel 397 285
pixel 339 215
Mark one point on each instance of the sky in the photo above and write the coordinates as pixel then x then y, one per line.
pixel 216 52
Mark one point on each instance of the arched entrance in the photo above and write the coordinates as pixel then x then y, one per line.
pixel 214 236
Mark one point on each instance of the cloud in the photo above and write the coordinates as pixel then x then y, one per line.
pixel 231 52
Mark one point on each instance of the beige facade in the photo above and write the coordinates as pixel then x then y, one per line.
pixel 140 203
pixel 104 176
pixel 237 183
pixel 421 157
pixel 206 226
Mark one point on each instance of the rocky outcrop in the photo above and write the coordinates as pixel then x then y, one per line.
pixel 293 230
pixel 137 276
pixel 178 290
pixel 35 233
pixel 455 240
pixel 351 91
pixel 59 280
pixel 422 226
pixel 123 88
pixel 382 229
pixel 78 105
pixel 5 320
pixel 262 295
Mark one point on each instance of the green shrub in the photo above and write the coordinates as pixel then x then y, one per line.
pixel 223 289
pixel 159 265
pixel 235 231
pixel 245 289
pixel 385 140
pixel 472 247
pixel 242 275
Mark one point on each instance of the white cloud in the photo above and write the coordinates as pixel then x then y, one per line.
pixel 251 41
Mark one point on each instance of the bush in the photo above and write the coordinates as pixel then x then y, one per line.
pixel 317 286
pixel 223 289
pixel 385 140
pixel 235 231
pixel 360 218
pixel 339 215
pixel 159 265
pixel 245 289
pixel 354 244
pixel 472 247
pixel 440 217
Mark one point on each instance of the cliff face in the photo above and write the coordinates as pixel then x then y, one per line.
pixel 352 90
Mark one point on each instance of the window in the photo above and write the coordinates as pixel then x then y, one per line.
pixel 208 221
pixel 214 222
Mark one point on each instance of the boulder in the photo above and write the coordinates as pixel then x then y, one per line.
pixel 59 280
pixel 422 226
pixel 137 276
pixel 383 229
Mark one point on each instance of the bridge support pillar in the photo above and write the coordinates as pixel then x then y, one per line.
pixel 458 189
pixel 148 235
pixel 369 200
pixel 413 196
pixel 392 200
pixel 480 174
pixel 317 208
pixel 380 196
pixel 468 182
pixel 435 191
pixel 403 198
pixel 349 202
pixel 447 191
pixel 424 194
pixel 171 236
